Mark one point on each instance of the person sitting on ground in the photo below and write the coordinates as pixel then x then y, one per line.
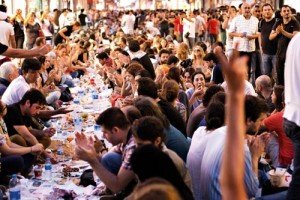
pixel 14 158
pixel 19 121
pixel 149 130
pixel 175 140
pixel 114 168
pixel 148 161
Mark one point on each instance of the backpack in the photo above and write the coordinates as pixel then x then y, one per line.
pixel 51 28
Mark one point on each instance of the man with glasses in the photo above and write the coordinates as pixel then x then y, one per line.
pixel 283 30
pixel 244 32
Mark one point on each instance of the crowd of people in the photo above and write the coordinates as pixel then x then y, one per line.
pixel 172 73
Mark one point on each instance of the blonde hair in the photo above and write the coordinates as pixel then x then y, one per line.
pixel 155 188
pixel 183 51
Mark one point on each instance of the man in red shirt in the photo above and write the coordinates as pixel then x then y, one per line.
pixel 213 29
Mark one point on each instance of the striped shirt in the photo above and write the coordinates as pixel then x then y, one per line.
pixel 247 27
pixel 211 165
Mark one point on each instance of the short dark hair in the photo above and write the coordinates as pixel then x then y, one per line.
pixel 163 51
pixel 134 45
pixel 34 96
pixel 42 59
pixel 254 107
pixel 3 8
pixel 131 113
pixel 30 64
pixel 285 6
pixel 210 92
pixel 113 117
pixel 215 115
pixel 82 10
pixel 147 87
pixel 125 53
pixel 102 56
pixel 267 4
pixel 148 128
pixel 210 57
pixel 172 60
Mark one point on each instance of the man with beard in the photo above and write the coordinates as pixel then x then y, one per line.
pixel 164 55
pixel 18 120
pixel 284 30
pixel 268 47
pixel 255 112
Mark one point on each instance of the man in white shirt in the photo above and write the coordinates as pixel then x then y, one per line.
pixel 63 20
pixel 7 34
pixel 292 109
pixel 19 86
pixel 244 30
pixel 128 22
pixel 189 27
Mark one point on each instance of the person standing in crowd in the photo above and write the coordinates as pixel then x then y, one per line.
pixel 284 30
pixel 47 26
pixel 128 22
pixel 82 19
pixel 226 25
pixel 244 32
pixel 18 24
pixel 213 29
pixel 268 47
pixel 33 30
pixel 292 110
pixel 189 29
pixel 63 20
pixel 256 56
pixel 65 33
pixel 7 34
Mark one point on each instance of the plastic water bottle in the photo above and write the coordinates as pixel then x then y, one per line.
pixel 76 100
pixel 58 128
pixel 14 188
pixel 77 122
pixel 60 153
pixel 95 101
pixel 80 92
pixel 48 170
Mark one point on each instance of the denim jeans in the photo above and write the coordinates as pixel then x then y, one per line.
pixel 255 66
pixel 112 162
pixel 276 196
pixel 268 63
pixel 292 130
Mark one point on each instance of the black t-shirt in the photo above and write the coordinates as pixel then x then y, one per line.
pixel 283 41
pixel 3 48
pixel 82 19
pixel 173 115
pixel 15 118
pixel 59 39
pixel 217 75
pixel 268 46
pixel 18 28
